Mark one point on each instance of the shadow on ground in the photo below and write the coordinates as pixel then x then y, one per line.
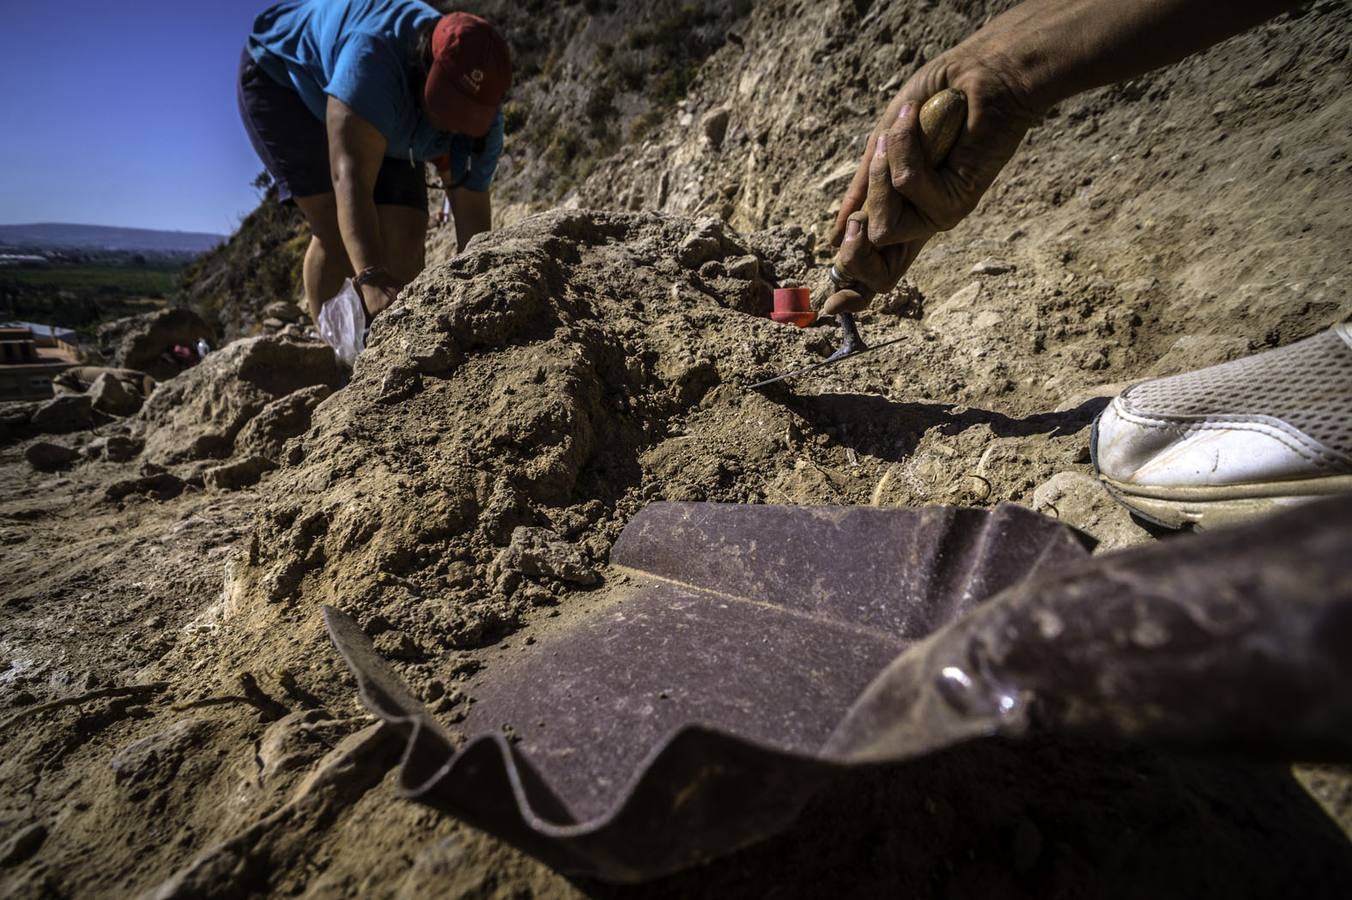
pixel 1043 818
pixel 891 431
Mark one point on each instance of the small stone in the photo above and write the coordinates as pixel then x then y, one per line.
pixel 294 742
pixel 114 448
pixel 747 267
pixel 48 457
pixel 540 553
pixel 160 486
pixel 273 325
pixel 715 126
pixel 22 845
pixel 962 299
pixel 1080 501
pixel 701 245
pixel 991 266
pixel 118 448
pixel 282 419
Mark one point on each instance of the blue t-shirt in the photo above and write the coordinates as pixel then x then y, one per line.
pixel 362 52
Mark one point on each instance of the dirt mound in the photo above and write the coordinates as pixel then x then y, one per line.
pixel 524 385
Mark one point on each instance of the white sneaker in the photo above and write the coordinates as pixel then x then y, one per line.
pixel 1232 441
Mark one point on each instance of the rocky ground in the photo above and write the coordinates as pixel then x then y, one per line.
pixel 174 720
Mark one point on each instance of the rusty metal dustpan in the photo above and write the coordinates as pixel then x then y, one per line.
pixel 747 654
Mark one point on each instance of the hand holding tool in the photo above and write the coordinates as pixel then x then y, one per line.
pixel 941 119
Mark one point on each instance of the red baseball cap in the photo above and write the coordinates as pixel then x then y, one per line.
pixel 471 71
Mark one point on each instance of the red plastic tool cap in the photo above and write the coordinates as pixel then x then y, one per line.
pixel 794 305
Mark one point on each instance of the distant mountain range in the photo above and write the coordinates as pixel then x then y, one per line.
pixel 60 236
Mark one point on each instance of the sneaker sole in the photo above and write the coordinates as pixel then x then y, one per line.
pixel 1213 506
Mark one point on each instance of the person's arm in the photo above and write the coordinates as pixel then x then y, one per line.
pixel 1064 47
pixel 473 212
pixel 1011 71
pixel 470 199
pixel 356 150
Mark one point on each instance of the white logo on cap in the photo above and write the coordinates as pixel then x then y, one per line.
pixel 473 80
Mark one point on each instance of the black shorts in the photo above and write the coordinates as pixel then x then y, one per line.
pixel 294 145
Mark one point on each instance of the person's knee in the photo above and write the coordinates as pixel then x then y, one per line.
pixel 321 214
pixel 406 257
pixel 329 255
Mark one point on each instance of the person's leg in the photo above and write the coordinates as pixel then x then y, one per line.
pixel 326 263
pixel 403 230
pixel 293 145
pixel 401 206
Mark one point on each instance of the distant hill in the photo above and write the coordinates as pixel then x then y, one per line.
pixel 100 237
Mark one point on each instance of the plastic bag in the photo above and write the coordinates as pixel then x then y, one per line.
pixel 342 324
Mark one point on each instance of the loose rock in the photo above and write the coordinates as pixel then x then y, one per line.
pixel 540 553
pixel 990 266
pixel 715 126
pixel 282 419
pixel 110 396
pixel 64 414
pixel 1080 500
pixel 160 486
pixel 48 457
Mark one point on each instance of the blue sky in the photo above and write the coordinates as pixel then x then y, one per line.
pixel 123 113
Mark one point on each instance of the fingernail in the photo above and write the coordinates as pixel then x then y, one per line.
pixel 852 230
pixel 880 148
pixel 905 110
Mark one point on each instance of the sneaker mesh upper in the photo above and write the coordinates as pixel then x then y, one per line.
pixel 1307 385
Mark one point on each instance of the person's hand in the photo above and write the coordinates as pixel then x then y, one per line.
pixel 898 198
pixel 444 214
pixel 878 268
